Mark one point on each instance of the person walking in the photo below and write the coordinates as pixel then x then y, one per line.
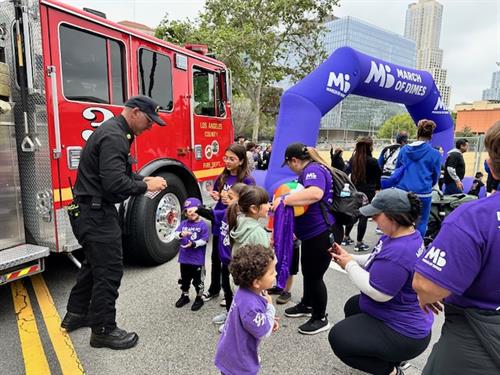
pixel 454 168
pixel 422 167
pixel 461 266
pixel 365 175
pixel 104 179
pixel 314 232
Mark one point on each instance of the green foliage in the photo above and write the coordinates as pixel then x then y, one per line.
pixel 465 133
pixel 262 42
pixel 401 122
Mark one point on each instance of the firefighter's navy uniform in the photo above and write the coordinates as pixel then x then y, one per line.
pixel 104 179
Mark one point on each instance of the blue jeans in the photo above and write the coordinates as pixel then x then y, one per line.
pixel 452 189
pixel 424 218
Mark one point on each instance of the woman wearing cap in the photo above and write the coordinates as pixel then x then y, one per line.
pixel 384 324
pixel 314 232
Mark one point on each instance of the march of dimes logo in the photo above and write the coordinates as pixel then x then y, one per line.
pixel 440 108
pixel 407 82
pixel 436 258
pixel 338 84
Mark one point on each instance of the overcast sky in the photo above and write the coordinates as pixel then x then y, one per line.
pixel 470 32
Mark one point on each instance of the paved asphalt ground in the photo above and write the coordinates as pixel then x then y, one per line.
pixel 177 341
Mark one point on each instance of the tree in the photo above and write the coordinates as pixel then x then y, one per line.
pixel 261 41
pixel 177 32
pixel 401 122
pixel 466 132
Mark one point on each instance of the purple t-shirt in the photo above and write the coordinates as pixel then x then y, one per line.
pixel 199 231
pixel 224 245
pixel 246 324
pixel 465 256
pixel 230 181
pixel 312 223
pixel 391 272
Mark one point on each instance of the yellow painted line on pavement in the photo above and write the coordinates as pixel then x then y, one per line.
pixel 35 361
pixel 63 347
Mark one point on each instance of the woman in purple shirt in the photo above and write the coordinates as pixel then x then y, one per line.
pixel 313 229
pixel 384 325
pixel 236 170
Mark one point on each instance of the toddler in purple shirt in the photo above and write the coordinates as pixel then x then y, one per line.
pixel 252 315
pixel 192 234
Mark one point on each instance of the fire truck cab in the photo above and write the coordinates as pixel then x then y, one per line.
pixel 63 72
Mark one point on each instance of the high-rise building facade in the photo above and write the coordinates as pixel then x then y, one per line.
pixel 493 93
pixel 356 114
pixel 423 25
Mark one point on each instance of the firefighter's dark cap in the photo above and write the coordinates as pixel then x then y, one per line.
pixel 146 105
pixel 295 150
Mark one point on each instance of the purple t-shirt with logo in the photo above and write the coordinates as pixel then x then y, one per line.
pixel 230 181
pixel 245 325
pixel 199 231
pixel 224 245
pixel 465 256
pixel 312 222
pixel 391 272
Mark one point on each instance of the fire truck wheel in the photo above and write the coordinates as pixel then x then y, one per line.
pixel 152 224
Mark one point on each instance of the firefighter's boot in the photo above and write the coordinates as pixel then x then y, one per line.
pixel 116 339
pixel 74 321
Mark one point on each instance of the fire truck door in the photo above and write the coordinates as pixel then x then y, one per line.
pixel 88 84
pixel 211 126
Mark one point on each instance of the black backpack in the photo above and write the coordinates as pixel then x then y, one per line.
pixel 344 209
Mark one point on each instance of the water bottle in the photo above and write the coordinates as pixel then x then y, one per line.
pixel 346 191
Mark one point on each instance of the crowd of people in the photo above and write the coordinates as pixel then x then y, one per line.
pixel 401 282
pixel 389 322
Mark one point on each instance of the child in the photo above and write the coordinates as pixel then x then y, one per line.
pixel 193 234
pixel 244 228
pixel 236 170
pixel 252 314
pixel 219 219
pixel 477 184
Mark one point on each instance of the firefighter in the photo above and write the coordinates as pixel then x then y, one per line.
pixel 105 178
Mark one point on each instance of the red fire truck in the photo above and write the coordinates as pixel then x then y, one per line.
pixel 64 71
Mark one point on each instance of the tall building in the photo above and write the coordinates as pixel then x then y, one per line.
pixel 355 114
pixel 493 93
pixel 423 25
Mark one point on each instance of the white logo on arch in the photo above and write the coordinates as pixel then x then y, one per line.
pixel 338 84
pixel 381 74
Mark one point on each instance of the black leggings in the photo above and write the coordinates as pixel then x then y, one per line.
pixel 362 221
pixel 367 344
pixel 215 273
pixel 315 260
pixel 226 286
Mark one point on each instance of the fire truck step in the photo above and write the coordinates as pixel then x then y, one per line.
pixel 21 254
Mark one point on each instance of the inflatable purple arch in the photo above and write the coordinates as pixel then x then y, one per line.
pixel 347 72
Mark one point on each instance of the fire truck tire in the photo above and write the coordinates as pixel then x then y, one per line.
pixel 144 243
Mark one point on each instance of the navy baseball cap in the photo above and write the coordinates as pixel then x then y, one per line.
pixel 389 200
pixel 191 203
pixel 146 105
pixel 294 150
